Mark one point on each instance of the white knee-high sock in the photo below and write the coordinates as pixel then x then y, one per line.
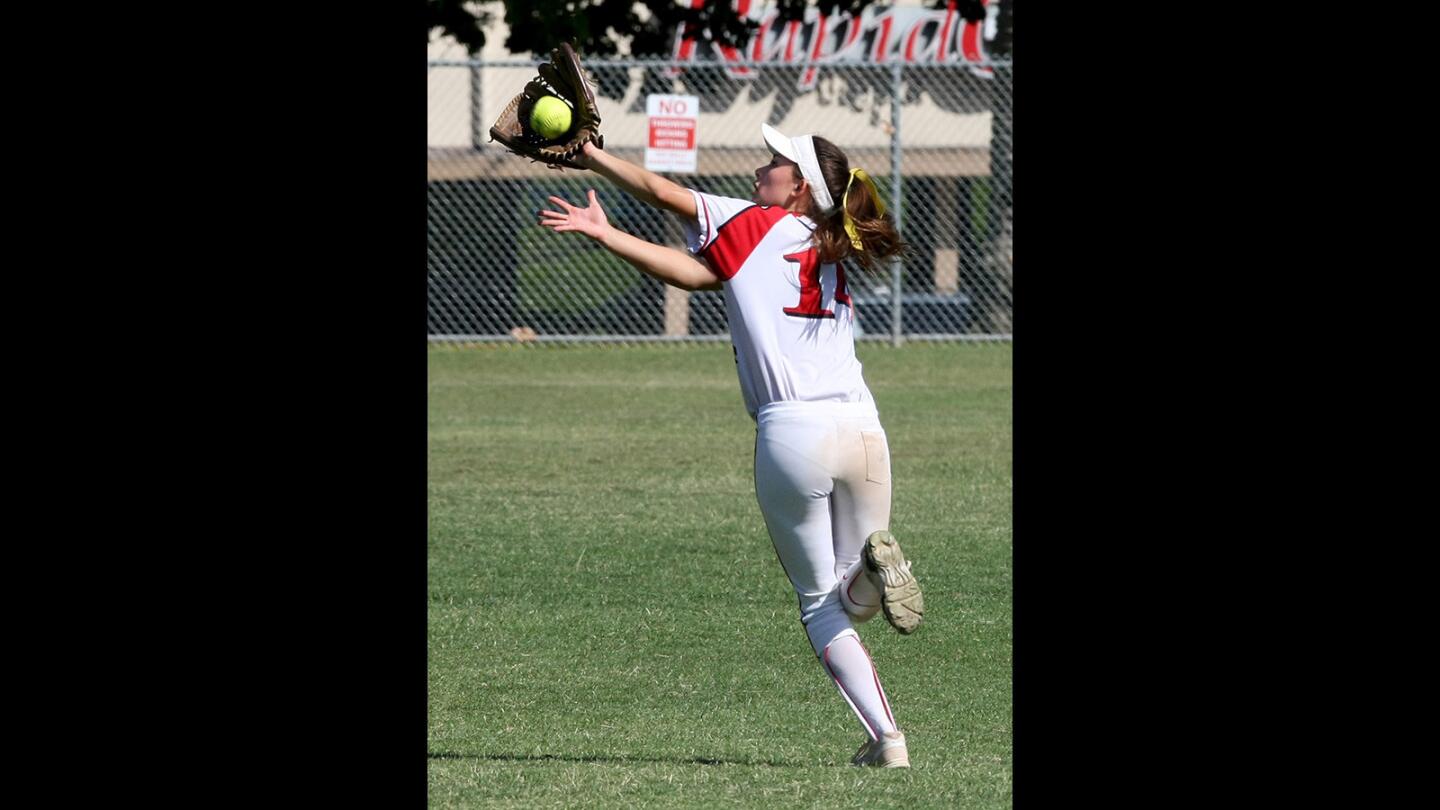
pixel 849 665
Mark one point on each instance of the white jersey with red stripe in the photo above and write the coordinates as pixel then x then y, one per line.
pixel 791 318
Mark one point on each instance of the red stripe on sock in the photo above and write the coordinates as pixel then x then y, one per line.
pixel 884 701
pixel 825 659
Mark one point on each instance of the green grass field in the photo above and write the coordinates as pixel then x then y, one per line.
pixel 608 624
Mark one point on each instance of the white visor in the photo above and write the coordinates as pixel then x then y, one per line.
pixel 801 149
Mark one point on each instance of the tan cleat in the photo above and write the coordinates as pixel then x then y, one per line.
pixel 889 571
pixel 886 752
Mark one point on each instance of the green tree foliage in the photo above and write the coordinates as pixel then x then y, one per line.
pixel 453 18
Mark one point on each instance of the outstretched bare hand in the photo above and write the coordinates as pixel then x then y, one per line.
pixel 590 220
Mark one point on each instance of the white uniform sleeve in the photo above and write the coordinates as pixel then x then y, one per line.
pixel 710 213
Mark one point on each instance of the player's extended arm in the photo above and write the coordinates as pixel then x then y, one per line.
pixel 642 184
pixel 674 267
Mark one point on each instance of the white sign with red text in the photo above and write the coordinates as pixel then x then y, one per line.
pixel 674 122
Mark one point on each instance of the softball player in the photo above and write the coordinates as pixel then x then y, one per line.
pixel 822 466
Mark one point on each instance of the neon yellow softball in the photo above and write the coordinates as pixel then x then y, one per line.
pixel 550 117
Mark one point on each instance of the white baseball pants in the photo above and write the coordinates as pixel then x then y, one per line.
pixel 822 477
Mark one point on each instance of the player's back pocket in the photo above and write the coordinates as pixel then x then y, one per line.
pixel 877 457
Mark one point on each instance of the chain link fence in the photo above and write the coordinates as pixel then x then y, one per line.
pixel 936 138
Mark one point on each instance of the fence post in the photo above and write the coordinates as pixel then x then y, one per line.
pixel 896 311
pixel 478 130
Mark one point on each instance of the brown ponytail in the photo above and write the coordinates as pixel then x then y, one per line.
pixel 877 231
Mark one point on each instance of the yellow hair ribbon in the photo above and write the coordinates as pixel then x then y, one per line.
pixel 850 222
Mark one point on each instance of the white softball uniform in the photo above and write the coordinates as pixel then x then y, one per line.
pixel 790 317
pixel 822 465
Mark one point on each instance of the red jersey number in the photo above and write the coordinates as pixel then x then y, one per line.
pixel 809 307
